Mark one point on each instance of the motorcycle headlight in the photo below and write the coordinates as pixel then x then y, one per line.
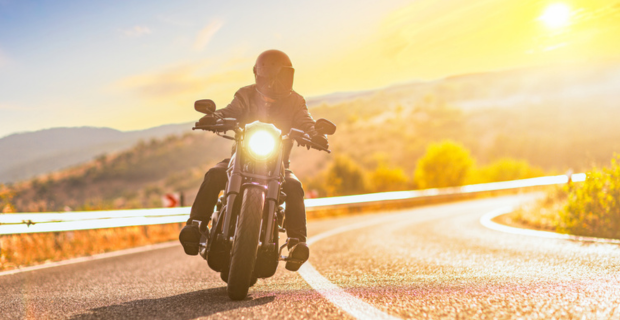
pixel 262 140
pixel 262 143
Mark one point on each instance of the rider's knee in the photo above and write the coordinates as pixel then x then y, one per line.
pixel 293 187
pixel 216 172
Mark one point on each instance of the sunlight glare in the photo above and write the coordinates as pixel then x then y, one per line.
pixel 556 15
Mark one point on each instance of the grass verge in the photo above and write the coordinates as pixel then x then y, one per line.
pixel 36 248
pixel 22 250
pixel 590 208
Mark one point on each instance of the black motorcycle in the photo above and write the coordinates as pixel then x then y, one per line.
pixel 243 243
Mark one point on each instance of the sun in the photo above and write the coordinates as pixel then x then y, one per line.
pixel 556 15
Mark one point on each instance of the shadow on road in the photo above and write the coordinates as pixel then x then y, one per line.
pixel 184 306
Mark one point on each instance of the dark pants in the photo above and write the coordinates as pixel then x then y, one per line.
pixel 215 181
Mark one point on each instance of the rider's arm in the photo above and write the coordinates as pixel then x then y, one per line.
pixel 303 120
pixel 236 108
pixel 301 117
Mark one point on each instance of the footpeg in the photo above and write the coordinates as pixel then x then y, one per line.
pixel 204 238
pixel 298 254
pixel 290 242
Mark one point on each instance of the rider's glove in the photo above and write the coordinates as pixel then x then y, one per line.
pixel 207 120
pixel 319 139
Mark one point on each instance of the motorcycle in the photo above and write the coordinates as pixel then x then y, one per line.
pixel 243 242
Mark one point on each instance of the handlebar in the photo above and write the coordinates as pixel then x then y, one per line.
pixel 230 124
pixel 221 125
pixel 216 127
pixel 308 143
pixel 303 139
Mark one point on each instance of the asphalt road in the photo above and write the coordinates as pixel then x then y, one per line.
pixel 434 262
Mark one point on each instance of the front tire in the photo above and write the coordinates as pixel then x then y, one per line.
pixel 245 245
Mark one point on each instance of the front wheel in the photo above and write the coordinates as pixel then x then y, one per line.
pixel 245 245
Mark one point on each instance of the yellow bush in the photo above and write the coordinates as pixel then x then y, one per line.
pixel 445 164
pixel 385 178
pixel 344 177
pixel 6 195
pixel 593 207
pixel 505 170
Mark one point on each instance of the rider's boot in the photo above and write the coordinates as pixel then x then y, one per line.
pixel 298 254
pixel 190 237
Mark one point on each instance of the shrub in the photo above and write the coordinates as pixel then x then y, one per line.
pixel 593 208
pixel 445 164
pixel 344 177
pixel 388 179
pixel 6 195
pixel 505 170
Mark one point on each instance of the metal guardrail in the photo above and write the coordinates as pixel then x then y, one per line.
pixel 19 223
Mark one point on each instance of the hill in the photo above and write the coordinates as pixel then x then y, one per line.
pixel 26 155
pixel 554 118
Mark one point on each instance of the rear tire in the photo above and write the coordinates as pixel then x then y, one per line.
pixel 245 245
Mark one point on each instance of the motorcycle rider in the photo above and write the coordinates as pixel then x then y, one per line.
pixel 271 99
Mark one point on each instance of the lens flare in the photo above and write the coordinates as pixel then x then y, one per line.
pixel 556 15
pixel 262 143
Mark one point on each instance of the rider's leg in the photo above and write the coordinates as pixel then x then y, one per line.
pixel 214 182
pixel 295 213
pixel 204 204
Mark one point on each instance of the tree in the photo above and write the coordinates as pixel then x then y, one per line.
pixel 506 169
pixel 344 177
pixel 6 195
pixel 385 178
pixel 445 164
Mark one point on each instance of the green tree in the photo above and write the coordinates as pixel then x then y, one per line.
pixel 385 178
pixel 445 164
pixel 344 177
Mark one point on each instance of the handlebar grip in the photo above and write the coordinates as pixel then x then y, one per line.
pixel 314 145
pixel 215 128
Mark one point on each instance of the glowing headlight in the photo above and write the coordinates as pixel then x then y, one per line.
pixel 261 143
pixel 261 140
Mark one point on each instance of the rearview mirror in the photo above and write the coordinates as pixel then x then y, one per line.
pixel 205 106
pixel 324 126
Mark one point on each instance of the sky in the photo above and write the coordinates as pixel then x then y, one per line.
pixel 137 64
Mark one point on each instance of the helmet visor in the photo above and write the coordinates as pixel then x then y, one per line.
pixel 275 82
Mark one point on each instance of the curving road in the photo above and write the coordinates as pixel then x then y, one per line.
pixel 424 263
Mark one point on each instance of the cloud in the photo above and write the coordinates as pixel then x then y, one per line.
pixel 205 35
pixel 188 81
pixel 136 31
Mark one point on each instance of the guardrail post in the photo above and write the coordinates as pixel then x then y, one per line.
pixel 57 244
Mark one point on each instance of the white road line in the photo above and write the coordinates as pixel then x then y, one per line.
pixel 486 220
pixel 94 257
pixel 336 295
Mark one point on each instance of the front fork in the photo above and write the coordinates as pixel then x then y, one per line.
pixel 235 189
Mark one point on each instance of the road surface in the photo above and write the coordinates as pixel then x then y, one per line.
pixel 433 262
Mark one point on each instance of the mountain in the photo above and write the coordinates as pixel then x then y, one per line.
pixel 526 113
pixel 554 118
pixel 32 153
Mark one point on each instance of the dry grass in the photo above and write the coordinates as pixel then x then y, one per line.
pixel 543 214
pixel 37 248
pixel 31 249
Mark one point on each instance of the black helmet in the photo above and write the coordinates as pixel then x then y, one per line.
pixel 274 73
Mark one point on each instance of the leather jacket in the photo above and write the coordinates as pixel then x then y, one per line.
pixel 285 113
